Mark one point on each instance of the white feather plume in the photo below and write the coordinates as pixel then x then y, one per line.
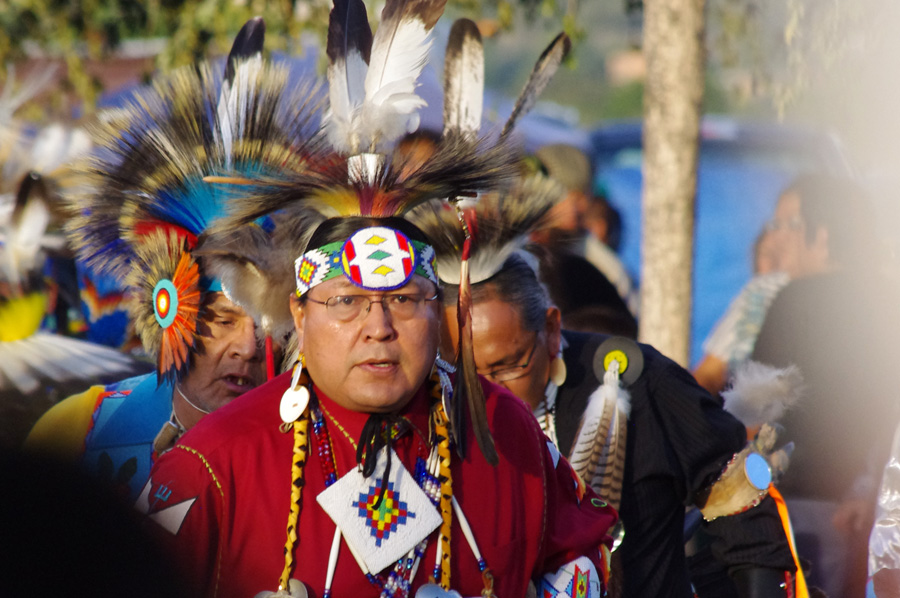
pixel 23 250
pixel 761 393
pixel 399 53
pixel 242 67
pixel 346 91
pixel 56 145
pixel 233 101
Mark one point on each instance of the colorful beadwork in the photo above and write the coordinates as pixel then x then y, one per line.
pixel 165 302
pixel 384 519
pixel 172 303
pixel 432 474
pixel 374 258
pixel 578 587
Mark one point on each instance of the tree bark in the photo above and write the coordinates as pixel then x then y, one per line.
pixel 673 46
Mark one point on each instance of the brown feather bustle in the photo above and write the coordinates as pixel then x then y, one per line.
pixel 457 168
pixel 166 139
pixel 257 266
pixel 505 221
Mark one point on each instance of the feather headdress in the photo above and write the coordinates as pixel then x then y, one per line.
pixel 463 88
pixel 372 103
pixel 362 171
pixel 32 173
pixel 29 356
pixel 146 207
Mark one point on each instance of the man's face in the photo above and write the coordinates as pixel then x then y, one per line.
pixel 793 252
pixel 227 360
pixel 568 214
pixel 506 352
pixel 376 361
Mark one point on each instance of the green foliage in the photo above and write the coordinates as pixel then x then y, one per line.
pixel 80 32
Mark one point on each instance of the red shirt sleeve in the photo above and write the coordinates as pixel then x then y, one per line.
pixel 576 522
pixel 184 502
pixel 576 517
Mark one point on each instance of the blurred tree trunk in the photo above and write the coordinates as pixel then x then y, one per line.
pixel 673 46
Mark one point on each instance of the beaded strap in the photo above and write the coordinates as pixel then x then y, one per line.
pixel 442 436
pixel 323 446
pixel 301 451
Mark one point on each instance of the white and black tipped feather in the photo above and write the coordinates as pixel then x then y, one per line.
pixel 399 53
pixel 349 47
pixel 463 80
pixel 541 75
pixel 248 43
pixel 243 64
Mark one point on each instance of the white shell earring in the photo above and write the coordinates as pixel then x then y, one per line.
pixel 295 398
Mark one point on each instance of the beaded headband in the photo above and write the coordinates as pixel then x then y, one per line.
pixel 376 258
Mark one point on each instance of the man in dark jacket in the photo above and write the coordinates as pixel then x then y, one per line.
pixel 679 439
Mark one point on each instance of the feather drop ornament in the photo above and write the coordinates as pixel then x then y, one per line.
pixel 467 389
pixel 598 453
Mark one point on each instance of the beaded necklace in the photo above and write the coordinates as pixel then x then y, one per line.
pixel 432 473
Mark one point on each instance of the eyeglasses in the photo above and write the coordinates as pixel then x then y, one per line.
pixel 513 372
pixel 348 307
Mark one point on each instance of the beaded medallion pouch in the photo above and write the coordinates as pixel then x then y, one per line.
pixel 379 532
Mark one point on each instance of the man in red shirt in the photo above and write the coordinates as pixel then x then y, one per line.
pixel 358 473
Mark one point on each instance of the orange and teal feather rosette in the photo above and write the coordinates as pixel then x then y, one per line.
pixel 166 302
